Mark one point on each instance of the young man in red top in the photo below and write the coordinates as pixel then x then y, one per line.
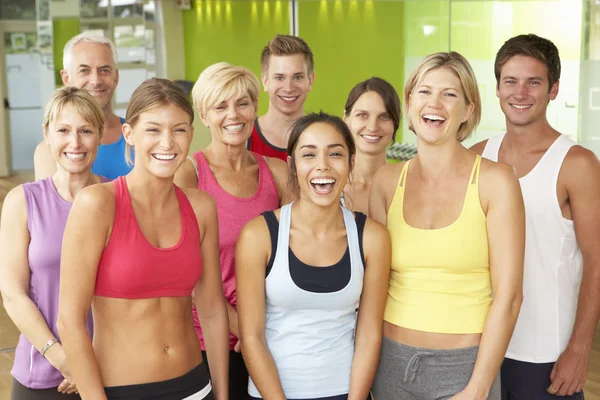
pixel 287 75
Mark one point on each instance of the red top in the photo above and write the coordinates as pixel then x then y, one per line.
pixel 259 144
pixel 132 268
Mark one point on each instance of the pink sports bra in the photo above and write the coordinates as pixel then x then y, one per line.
pixel 132 268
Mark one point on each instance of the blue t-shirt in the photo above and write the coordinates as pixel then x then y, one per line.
pixel 110 160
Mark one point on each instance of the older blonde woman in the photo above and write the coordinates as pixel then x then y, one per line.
pixel 243 184
pixel 31 231
pixel 457 226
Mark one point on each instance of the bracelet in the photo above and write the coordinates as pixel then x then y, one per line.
pixel 48 344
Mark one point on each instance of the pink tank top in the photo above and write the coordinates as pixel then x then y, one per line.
pixel 233 213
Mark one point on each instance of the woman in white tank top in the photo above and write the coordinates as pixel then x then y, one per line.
pixel 302 272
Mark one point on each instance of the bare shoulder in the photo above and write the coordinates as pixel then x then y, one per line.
pixel 492 173
pixel 497 181
pixel 255 228
pixel 375 235
pixel 479 147
pixel 581 164
pixel 388 173
pixel 201 201
pixel 186 175
pixel 99 197
pixel 14 202
pixel 41 148
pixel 276 166
pixel 255 234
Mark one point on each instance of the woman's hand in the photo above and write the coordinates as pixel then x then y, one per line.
pixel 57 358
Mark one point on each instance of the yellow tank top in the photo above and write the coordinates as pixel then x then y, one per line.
pixel 440 278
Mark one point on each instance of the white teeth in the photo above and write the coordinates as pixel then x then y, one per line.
pixel 322 181
pixel 164 157
pixel 521 106
pixel 434 117
pixel 75 156
pixel 370 137
pixel 289 98
pixel 234 128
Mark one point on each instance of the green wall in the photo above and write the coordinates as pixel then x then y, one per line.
pixel 232 31
pixel 62 30
pixel 351 41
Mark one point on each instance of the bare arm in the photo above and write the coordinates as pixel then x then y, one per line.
pixel 14 283
pixel 478 148
pixel 369 329
pixel 209 297
pixel 186 175
pixel 280 172
pixel 252 254
pixel 44 164
pixel 382 192
pixel 581 170
pixel 88 227
pixel 506 236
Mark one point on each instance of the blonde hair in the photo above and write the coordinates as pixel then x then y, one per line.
pixel 457 64
pixel 221 81
pixel 152 93
pixel 86 37
pixel 85 104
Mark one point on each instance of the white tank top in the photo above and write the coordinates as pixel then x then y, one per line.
pixel 311 335
pixel 553 261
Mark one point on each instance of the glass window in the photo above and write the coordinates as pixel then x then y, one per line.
pixel 149 10
pixel 129 80
pixel 93 8
pixel 128 8
pixel 131 43
pixel 17 9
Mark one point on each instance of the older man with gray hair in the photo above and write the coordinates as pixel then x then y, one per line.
pixel 90 62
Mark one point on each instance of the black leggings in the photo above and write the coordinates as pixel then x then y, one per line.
pixel 238 375
pixel 20 392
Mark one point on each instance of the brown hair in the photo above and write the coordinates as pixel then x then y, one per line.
pixel 301 125
pixel 85 104
pixel 532 46
pixel 287 45
pixel 460 67
pixel 152 93
pixel 387 93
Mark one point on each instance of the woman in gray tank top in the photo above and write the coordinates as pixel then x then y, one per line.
pixel 302 272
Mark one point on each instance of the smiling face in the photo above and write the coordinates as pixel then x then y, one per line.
pixel 161 138
pixel 322 165
pixel 73 141
pixel 231 121
pixel 287 81
pixel 437 106
pixel 92 68
pixel 371 125
pixel 523 90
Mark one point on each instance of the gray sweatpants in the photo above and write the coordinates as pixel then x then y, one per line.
pixel 412 373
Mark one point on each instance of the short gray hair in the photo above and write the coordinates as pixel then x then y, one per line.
pixel 86 37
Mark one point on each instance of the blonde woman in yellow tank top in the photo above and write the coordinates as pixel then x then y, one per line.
pixel 458 234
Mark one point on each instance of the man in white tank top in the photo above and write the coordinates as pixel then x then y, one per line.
pixel 560 180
